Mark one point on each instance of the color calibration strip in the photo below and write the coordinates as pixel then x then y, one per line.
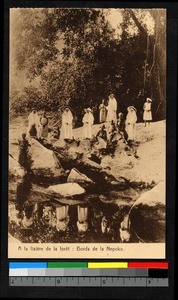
pixel 88 274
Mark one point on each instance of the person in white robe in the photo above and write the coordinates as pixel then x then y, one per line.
pixel 87 121
pixel 147 114
pixel 67 122
pixel 34 124
pixel 112 109
pixel 62 217
pixel 131 119
pixel 82 223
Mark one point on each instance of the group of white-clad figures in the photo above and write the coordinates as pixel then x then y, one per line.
pixel 38 126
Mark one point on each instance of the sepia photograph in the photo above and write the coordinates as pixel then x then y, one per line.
pixel 87 133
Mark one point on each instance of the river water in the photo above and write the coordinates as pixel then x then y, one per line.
pixel 92 218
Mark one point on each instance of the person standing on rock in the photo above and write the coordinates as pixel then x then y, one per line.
pixel 66 129
pixel 44 126
pixel 112 131
pixel 121 126
pixel 112 109
pixel 24 159
pixel 147 114
pixel 112 138
pixel 62 217
pixel 82 223
pixel 131 119
pixel 34 127
pixel 87 121
pixel 102 112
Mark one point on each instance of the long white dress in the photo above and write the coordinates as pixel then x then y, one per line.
pixel 131 119
pixel 112 110
pixel 62 217
pixel 147 115
pixel 82 223
pixel 66 128
pixel 34 120
pixel 88 121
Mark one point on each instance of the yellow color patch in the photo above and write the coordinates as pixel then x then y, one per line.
pixel 107 265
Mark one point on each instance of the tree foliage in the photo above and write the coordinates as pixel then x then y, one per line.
pixel 79 59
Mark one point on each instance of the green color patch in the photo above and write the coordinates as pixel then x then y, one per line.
pixel 67 265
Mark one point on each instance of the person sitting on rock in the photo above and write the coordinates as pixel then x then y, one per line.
pixel 112 130
pixel 24 159
pixel 101 139
pixel 121 127
pixel 56 133
pixel 44 126
pixel 34 127
pixel 82 223
pixel 62 217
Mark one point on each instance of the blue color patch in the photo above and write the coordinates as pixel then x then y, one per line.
pixel 27 265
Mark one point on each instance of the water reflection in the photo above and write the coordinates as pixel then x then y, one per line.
pixel 87 220
pixel 62 217
pixel 82 222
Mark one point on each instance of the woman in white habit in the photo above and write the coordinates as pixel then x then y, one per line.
pixel 111 109
pixel 147 114
pixel 88 121
pixel 131 119
pixel 82 223
pixel 66 128
pixel 34 121
pixel 62 217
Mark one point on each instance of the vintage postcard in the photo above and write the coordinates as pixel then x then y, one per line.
pixel 87 133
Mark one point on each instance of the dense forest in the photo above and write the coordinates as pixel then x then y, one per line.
pixel 76 57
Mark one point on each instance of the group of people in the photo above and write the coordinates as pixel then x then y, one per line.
pixel 112 126
pixel 38 125
pixel 109 112
pixel 105 139
pixel 62 217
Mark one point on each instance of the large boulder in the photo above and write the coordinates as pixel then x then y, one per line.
pixel 78 177
pixel 147 215
pixel 44 162
pixel 15 170
pixel 102 177
pixel 66 189
pixel 67 155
